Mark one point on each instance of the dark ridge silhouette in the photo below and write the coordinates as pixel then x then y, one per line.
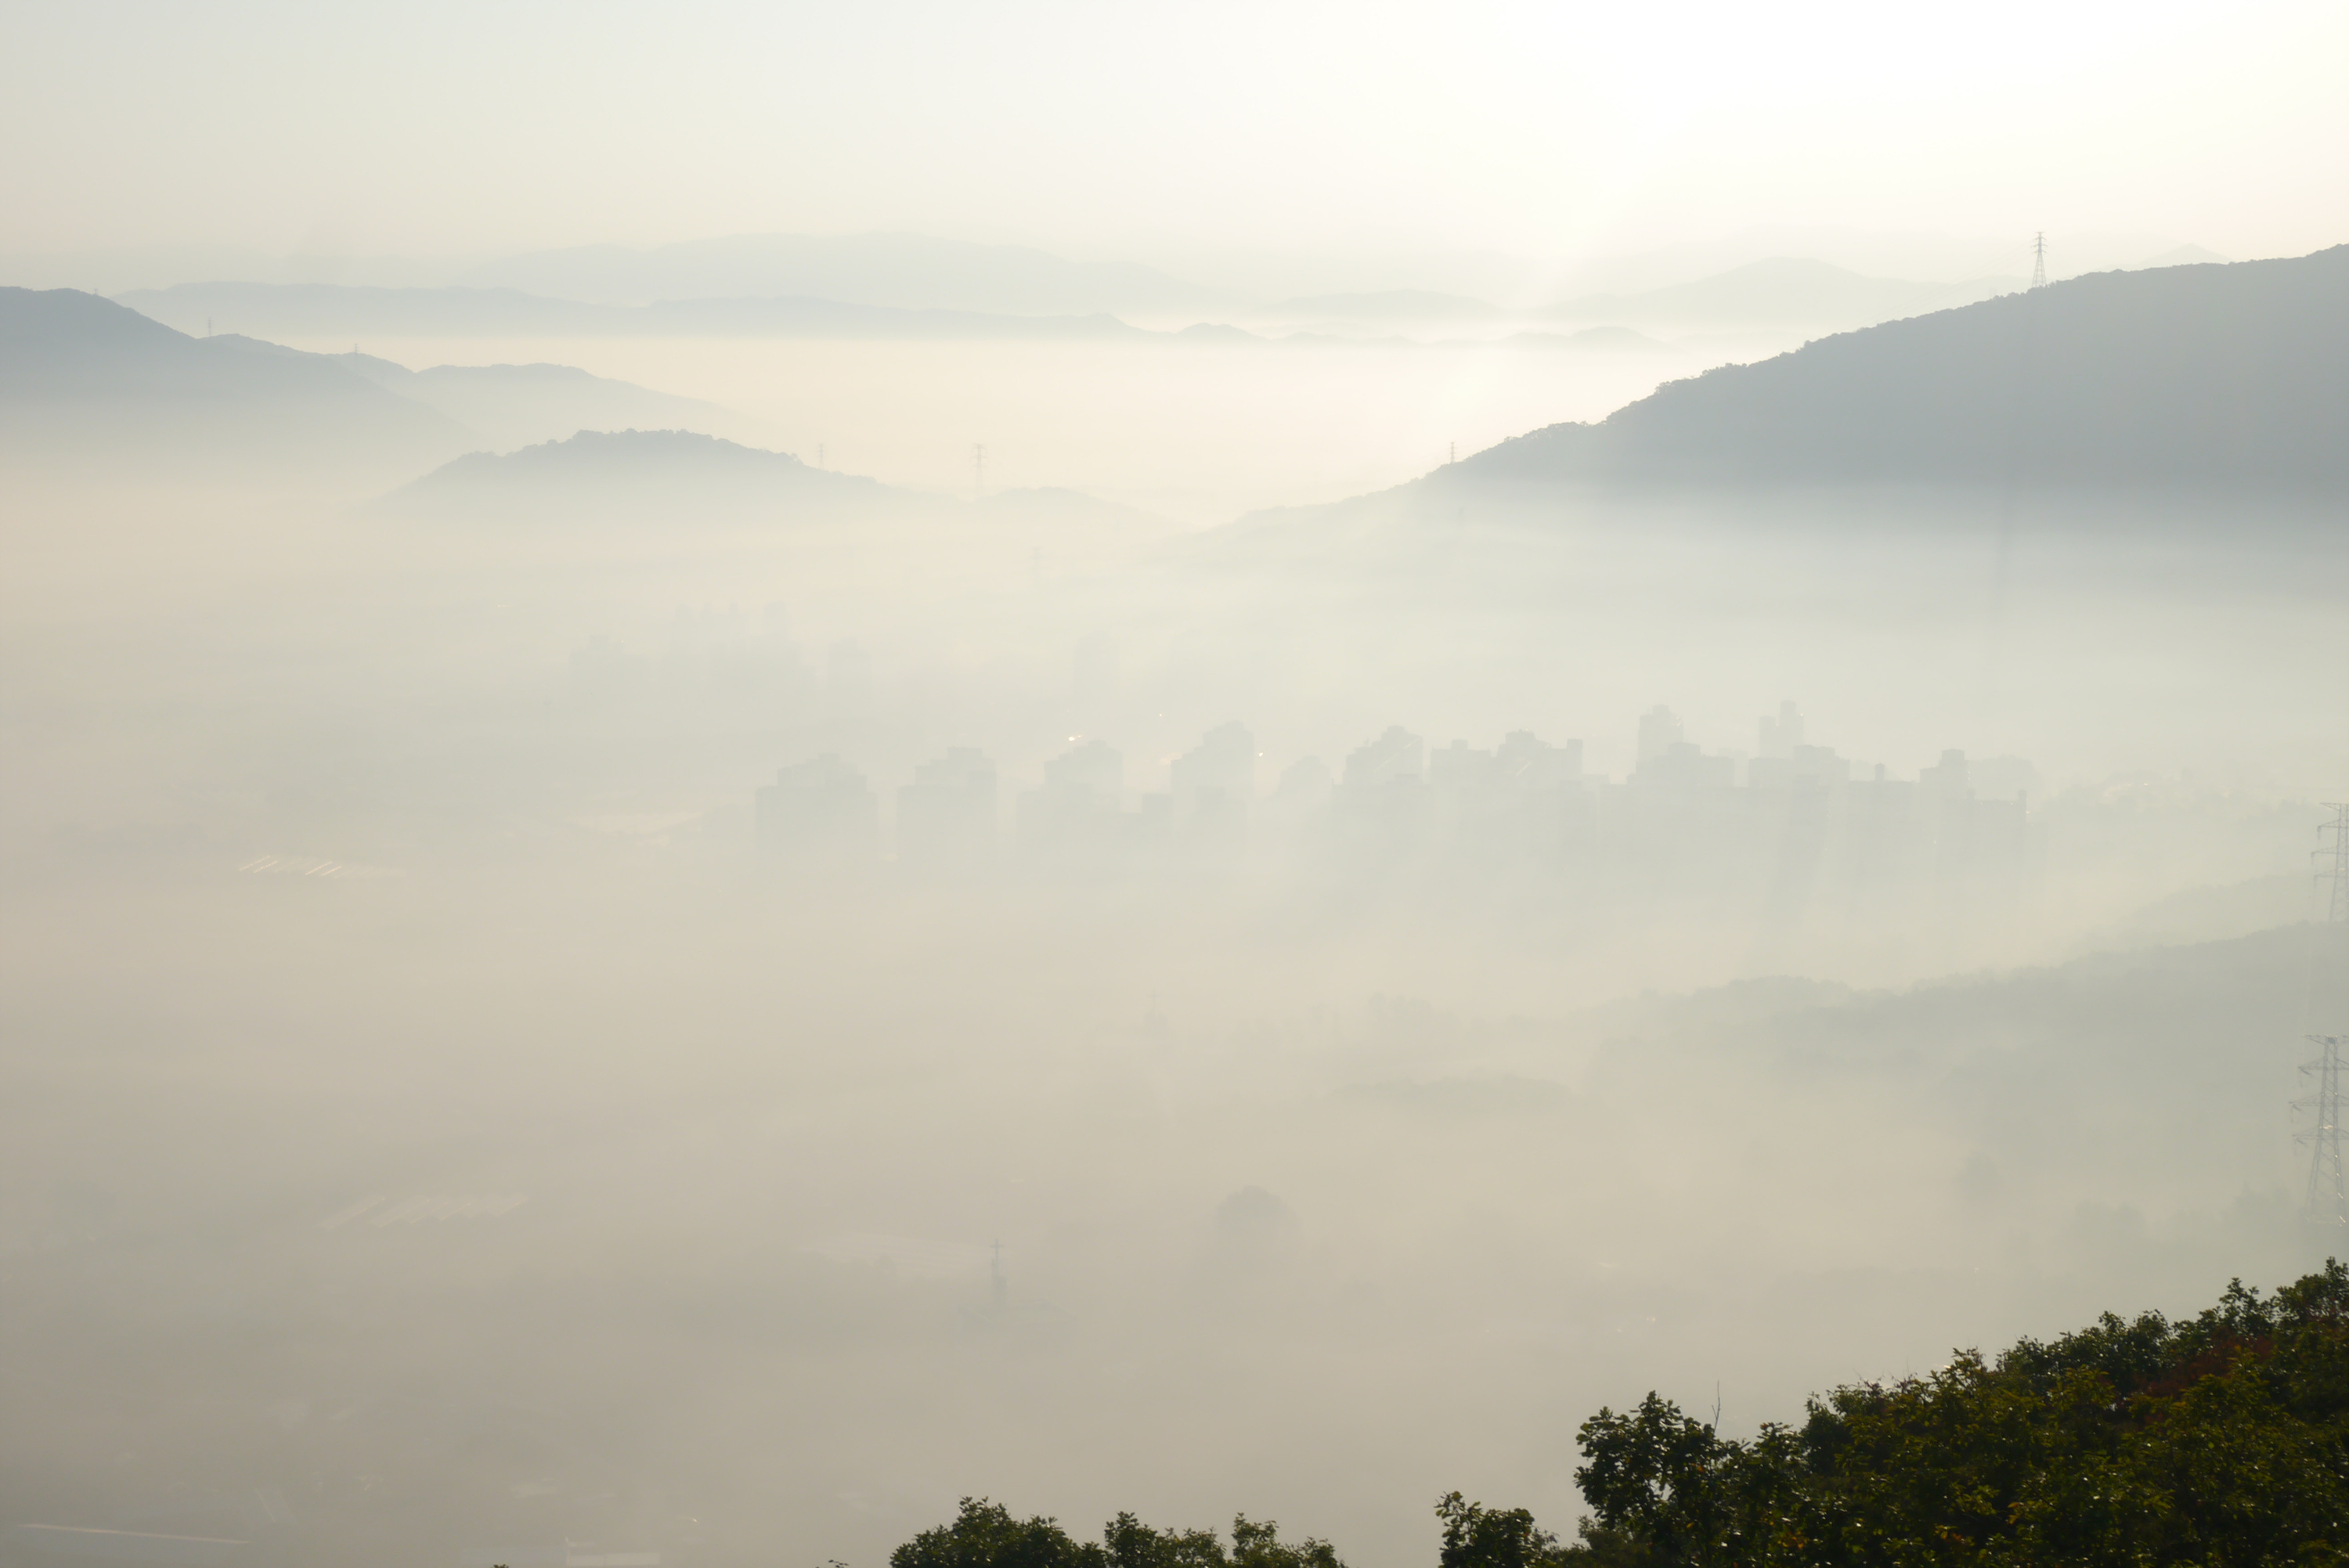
pixel 2231 377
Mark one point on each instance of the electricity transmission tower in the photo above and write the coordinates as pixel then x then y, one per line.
pixel 2337 912
pixel 2328 1187
pixel 2039 260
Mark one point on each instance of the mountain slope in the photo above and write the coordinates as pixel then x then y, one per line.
pixel 83 377
pixel 62 345
pixel 2224 375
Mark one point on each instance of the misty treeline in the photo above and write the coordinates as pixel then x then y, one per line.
pixel 2222 1438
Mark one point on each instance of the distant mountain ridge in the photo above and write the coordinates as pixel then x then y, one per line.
pixel 61 345
pixel 2222 375
pixel 672 479
pixel 328 310
pixel 83 375
pixel 598 457
pixel 886 271
pixel 670 483
pixel 513 405
pixel 1774 296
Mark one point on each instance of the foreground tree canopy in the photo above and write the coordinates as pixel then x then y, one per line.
pixel 2223 1439
pixel 985 1535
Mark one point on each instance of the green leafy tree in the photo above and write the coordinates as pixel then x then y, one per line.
pixel 985 1535
pixel 2222 1440
pixel 1260 1545
pixel 1475 1536
pixel 1130 1543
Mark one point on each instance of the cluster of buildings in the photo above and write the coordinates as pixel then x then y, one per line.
pixel 1793 815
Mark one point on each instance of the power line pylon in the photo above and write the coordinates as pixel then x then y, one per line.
pixel 2039 260
pixel 2337 873
pixel 2328 1187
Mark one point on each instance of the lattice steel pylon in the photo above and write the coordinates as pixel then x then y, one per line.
pixel 2337 873
pixel 2328 1187
pixel 2039 260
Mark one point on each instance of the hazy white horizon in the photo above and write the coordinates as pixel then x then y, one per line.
pixel 1362 137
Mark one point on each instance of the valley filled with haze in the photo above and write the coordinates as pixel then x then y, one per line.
pixel 700 852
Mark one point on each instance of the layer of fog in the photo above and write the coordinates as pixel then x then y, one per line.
pixel 1196 433
pixel 435 1123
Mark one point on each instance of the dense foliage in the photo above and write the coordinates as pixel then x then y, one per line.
pixel 2219 1440
pixel 985 1535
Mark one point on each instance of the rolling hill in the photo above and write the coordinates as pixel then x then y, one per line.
pixel 670 482
pixel 83 377
pixel 632 473
pixel 2232 377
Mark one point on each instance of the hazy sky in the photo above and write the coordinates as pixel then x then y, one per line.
pixel 435 128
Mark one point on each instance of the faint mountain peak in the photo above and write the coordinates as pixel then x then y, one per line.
pixel 2185 256
pixel 904 271
pixel 634 451
pixel 522 404
pixel 646 473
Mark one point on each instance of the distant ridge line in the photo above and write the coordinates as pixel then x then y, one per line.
pixel 2229 374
